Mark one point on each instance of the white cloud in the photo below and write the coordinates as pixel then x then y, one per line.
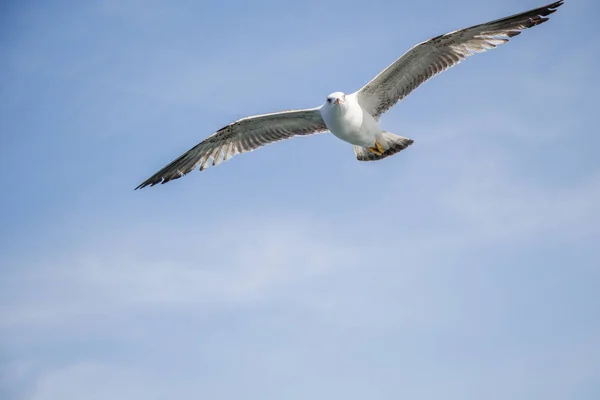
pixel 493 205
pixel 238 264
pixel 96 381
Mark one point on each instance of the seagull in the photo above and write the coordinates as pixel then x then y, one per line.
pixel 354 118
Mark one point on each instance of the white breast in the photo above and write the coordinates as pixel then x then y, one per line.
pixel 350 123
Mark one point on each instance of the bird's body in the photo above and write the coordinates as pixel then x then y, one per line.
pixel 349 122
pixel 346 119
pixel 354 118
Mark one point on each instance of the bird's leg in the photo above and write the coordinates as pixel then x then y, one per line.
pixel 377 149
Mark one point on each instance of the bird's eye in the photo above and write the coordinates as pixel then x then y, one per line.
pixel 329 100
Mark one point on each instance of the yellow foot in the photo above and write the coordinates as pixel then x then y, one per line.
pixel 377 149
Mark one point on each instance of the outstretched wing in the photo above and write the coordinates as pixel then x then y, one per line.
pixel 239 137
pixel 429 58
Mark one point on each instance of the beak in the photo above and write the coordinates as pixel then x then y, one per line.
pixel 339 101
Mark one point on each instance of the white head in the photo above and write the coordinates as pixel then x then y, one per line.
pixel 336 99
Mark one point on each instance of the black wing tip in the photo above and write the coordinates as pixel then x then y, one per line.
pixel 528 19
pixel 155 181
pixel 144 184
pixel 162 178
pixel 541 15
pixel 549 9
pixel 537 17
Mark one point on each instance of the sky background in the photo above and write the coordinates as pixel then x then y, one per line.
pixel 466 267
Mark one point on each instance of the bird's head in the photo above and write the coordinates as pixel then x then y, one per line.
pixel 336 99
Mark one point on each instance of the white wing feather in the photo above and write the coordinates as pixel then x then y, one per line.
pixel 239 137
pixel 429 58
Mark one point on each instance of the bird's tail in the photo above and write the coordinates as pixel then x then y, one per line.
pixel 392 144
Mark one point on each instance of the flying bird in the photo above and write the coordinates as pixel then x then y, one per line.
pixel 354 118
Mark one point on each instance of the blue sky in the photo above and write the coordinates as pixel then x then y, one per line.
pixel 465 267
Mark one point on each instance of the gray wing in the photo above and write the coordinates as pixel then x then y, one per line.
pixel 239 137
pixel 429 58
